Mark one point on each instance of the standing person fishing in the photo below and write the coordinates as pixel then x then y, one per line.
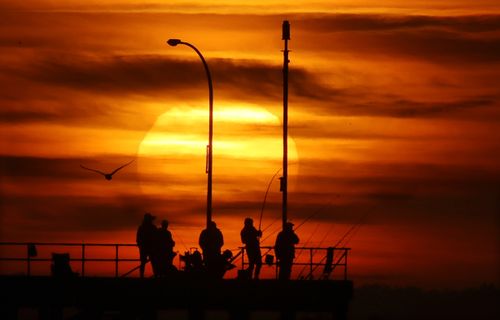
pixel 145 238
pixel 285 250
pixel 250 237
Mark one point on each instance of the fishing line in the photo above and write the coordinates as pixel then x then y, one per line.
pixel 319 246
pixel 265 197
pixel 351 229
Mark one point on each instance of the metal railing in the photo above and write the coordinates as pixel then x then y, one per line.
pixel 329 258
pixel 338 258
pixel 31 249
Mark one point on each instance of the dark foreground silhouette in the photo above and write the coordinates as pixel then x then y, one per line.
pixel 377 302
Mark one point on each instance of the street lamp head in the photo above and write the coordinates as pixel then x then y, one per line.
pixel 173 42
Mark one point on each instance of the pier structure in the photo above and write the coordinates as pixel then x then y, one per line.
pixel 123 295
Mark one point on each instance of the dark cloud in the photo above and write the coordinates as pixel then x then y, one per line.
pixel 144 75
pixel 451 40
pixel 394 106
pixel 384 22
pixel 241 79
pixel 453 49
pixel 19 167
pixel 394 193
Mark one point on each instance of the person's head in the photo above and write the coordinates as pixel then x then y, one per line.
pixel 248 222
pixel 148 217
pixel 289 226
pixel 164 224
pixel 212 225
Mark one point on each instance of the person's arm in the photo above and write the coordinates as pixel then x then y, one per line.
pixel 201 240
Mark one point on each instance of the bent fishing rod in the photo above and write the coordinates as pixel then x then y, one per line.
pixel 265 198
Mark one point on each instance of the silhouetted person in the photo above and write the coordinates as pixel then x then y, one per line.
pixel 285 250
pixel 250 237
pixel 146 237
pixel 165 249
pixel 211 242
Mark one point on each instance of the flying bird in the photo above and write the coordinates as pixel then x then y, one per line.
pixel 107 176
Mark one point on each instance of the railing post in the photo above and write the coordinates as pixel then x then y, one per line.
pixel 28 271
pixel 311 262
pixel 333 264
pixel 345 261
pixel 242 258
pixel 83 260
pixel 116 261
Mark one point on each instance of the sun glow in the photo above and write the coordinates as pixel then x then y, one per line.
pixel 247 144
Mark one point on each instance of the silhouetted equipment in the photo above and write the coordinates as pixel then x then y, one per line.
pixel 32 252
pixel 209 161
pixel 60 266
pixel 107 176
pixel 286 30
pixel 269 259
pixel 329 261
pixel 192 260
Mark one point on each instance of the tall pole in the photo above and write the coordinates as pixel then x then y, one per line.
pixel 208 169
pixel 284 179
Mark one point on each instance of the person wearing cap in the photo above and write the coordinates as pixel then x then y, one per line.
pixel 250 237
pixel 285 250
pixel 145 238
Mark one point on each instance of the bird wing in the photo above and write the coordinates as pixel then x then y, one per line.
pixel 83 167
pixel 119 168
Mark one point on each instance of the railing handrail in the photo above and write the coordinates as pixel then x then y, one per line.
pixel 306 248
pixel 71 244
pixel 341 260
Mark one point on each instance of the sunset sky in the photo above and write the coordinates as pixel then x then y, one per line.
pixel 394 120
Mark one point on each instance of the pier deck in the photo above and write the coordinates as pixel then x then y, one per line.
pixel 132 296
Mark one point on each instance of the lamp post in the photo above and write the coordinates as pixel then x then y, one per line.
pixel 173 43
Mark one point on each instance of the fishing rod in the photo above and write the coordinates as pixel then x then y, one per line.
pixel 349 231
pixel 300 225
pixel 265 198
pixel 353 227
pixel 319 246
pixel 308 240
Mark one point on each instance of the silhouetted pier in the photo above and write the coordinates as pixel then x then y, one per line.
pixel 91 297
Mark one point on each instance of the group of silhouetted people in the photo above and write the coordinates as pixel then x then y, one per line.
pixel 156 245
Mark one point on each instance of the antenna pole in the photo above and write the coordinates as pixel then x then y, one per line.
pixel 284 178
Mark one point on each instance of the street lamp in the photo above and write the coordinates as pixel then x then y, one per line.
pixel 173 43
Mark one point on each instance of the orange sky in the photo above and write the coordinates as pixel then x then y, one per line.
pixel 394 115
